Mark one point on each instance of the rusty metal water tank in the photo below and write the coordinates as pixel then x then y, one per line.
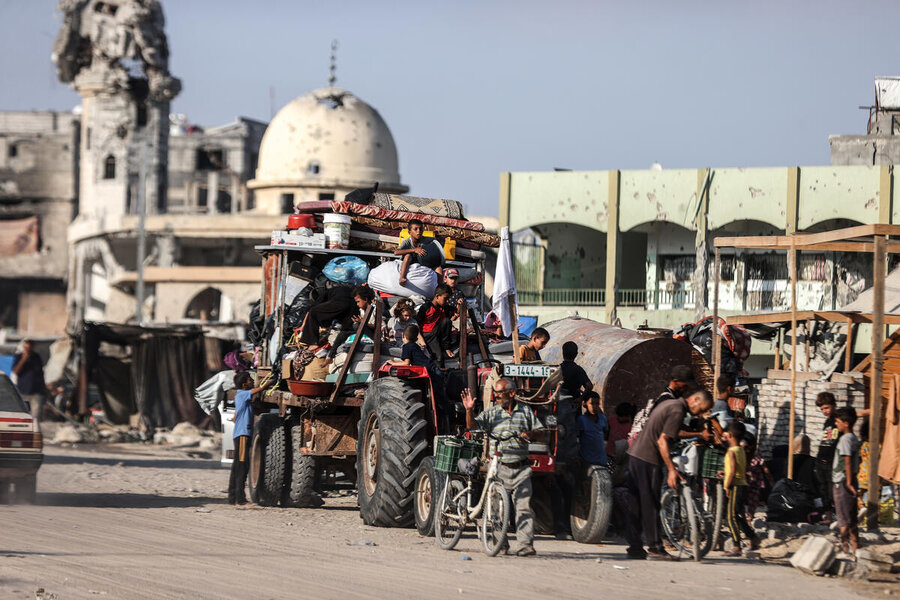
pixel 624 365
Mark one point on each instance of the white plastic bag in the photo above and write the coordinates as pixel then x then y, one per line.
pixel 419 280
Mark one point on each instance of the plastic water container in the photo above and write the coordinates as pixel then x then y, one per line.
pixel 450 249
pixel 337 231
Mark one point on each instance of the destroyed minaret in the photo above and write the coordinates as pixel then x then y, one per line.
pixel 115 55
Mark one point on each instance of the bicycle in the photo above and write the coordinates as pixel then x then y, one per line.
pixel 685 523
pixel 454 511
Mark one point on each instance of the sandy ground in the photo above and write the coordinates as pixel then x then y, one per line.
pixel 137 521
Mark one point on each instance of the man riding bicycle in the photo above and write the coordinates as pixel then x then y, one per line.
pixel 506 417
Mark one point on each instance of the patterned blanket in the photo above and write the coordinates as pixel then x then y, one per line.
pixel 428 206
pixel 351 208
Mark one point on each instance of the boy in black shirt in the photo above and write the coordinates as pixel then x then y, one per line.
pixel 827 403
pixel 413 355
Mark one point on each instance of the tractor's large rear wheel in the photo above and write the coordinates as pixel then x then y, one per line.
pixel 390 446
pixel 267 460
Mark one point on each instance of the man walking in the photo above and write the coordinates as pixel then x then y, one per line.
pixel 653 445
pixel 515 424
pixel 29 370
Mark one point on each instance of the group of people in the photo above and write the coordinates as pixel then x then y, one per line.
pixel 430 325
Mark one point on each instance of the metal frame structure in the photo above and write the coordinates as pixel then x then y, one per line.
pixel 874 239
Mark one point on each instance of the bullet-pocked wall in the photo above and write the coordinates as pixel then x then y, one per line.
pixel 628 240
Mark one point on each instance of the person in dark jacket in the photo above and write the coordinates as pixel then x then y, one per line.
pixel 29 370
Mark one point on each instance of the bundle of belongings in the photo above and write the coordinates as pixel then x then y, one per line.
pixel 735 343
pixel 323 306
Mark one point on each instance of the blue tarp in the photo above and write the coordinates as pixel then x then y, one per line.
pixel 6 363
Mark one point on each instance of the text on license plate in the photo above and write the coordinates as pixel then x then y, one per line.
pixel 513 370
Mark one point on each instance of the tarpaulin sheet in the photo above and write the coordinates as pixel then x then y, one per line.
pixel 19 236
pixel 167 364
pixel 113 377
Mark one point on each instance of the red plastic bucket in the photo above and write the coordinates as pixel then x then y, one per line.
pixel 298 221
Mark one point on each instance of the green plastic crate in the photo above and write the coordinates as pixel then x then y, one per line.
pixel 713 462
pixel 449 449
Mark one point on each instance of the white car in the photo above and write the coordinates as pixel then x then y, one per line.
pixel 21 445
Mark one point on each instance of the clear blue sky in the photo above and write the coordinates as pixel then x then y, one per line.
pixel 473 88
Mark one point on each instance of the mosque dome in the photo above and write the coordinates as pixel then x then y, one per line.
pixel 328 138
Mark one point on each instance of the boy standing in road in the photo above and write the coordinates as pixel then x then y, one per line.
pixel 844 472
pixel 592 431
pixel 827 405
pixel 243 428
pixel 735 485
pixel 504 419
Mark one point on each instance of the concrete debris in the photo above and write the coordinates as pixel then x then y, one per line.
pixel 814 556
pixel 875 560
pixel 843 567
pixel 203 510
pixel 187 435
pixel 68 434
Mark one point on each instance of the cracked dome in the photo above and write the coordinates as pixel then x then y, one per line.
pixel 328 137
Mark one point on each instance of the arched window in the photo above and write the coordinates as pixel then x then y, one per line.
pixel 210 305
pixel 109 167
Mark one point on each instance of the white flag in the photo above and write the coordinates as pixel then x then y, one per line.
pixel 505 285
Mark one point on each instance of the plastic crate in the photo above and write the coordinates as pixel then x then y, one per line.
pixel 449 449
pixel 713 461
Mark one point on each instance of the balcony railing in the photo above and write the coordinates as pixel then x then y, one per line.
pixel 597 297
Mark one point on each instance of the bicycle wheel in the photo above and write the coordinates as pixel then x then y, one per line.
pixel 449 516
pixel 495 520
pixel 677 529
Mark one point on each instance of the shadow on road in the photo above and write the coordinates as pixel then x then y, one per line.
pixel 122 500
pixel 153 463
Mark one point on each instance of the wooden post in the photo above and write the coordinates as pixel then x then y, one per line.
pixel 515 333
pixel 790 473
pixel 482 347
pixel 376 351
pixel 876 380
pixel 806 345
pixel 778 335
pixel 463 337
pixel 717 341
pixel 342 375
pixel 848 355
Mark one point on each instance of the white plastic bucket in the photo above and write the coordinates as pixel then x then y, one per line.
pixel 337 231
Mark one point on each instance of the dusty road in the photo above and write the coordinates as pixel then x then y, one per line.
pixel 144 522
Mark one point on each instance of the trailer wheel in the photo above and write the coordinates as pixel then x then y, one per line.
pixel 428 487
pixel 299 490
pixel 267 460
pixel 591 506
pixel 542 507
pixel 390 446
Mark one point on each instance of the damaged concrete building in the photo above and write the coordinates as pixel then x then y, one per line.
pixel 211 194
pixel 637 245
pixel 38 197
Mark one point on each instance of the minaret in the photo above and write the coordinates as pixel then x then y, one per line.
pixel 115 55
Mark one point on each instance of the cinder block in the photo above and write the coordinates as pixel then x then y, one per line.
pixel 814 556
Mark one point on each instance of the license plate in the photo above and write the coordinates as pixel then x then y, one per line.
pixel 514 370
